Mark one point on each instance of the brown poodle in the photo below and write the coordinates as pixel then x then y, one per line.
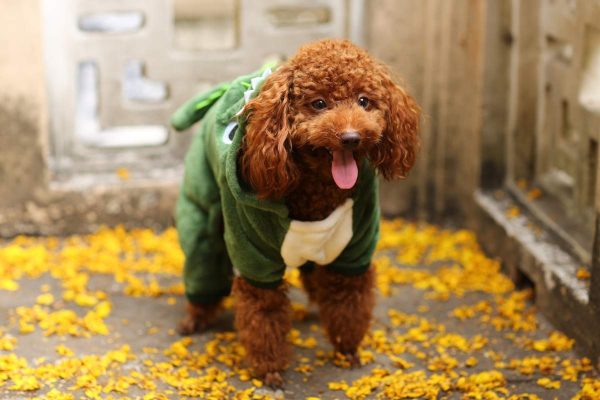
pixel 316 132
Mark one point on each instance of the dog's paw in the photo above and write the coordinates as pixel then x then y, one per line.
pixel 353 359
pixel 188 326
pixel 274 380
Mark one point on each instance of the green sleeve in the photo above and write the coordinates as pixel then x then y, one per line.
pixel 254 229
pixel 253 243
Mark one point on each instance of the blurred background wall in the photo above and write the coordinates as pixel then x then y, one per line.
pixel 100 80
pixel 89 87
pixel 23 105
pixel 510 92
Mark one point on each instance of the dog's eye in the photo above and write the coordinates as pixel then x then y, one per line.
pixel 363 102
pixel 319 104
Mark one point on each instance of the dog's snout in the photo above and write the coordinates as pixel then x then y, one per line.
pixel 350 139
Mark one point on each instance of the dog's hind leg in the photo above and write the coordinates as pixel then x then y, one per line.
pixel 263 320
pixel 197 317
pixel 345 306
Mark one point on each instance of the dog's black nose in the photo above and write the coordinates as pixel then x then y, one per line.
pixel 350 139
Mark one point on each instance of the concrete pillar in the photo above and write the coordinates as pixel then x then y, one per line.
pixel 23 130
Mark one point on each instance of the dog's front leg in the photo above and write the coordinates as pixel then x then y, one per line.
pixel 345 306
pixel 263 320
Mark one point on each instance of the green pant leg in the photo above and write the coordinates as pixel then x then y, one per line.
pixel 208 271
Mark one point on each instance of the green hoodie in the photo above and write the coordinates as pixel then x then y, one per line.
pixel 223 227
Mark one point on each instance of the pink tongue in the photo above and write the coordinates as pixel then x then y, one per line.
pixel 344 169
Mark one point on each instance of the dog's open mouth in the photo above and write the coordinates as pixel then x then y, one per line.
pixel 344 169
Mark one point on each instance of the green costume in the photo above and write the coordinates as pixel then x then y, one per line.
pixel 222 226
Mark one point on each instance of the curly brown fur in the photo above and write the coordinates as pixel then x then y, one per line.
pixel 345 305
pixel 197 317
pixel 288 142
pixel 266 164
pixel 263 320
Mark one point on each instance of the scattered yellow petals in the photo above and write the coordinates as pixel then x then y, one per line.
pixel 548 383
pixel 471 362
pixel 7 342
pixel 590 390
pixel 8 284
pixel 442 264
pixel 45 299
pixel 123 173
pixel 557 341
pixel 583 273
pixel 257 383
pixel 534 193
pixel 63 350
pixel 25 383
pixel 513 212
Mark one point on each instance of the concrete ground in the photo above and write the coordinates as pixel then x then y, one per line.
pixel 93 317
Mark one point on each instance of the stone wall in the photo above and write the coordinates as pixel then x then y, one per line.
pixel 70 88
pixel 28 201
pixel 49 201
pixel 22 104
pixel 471 65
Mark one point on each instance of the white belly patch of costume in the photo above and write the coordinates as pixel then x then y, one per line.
pixel 318 241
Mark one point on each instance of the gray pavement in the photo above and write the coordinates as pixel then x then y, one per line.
pixel 417 348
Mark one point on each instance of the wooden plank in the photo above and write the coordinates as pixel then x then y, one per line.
pixel 431 54
pixel 498 42
pixel 466 148
pixel 457 137
pixel 524 91
pixel 595 278
pixel 403 53
pixel 443 115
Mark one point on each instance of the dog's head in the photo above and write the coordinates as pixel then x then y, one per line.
pixel 327 108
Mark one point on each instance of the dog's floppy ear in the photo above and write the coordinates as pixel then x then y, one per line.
pixel 395 155
pixel 266 161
